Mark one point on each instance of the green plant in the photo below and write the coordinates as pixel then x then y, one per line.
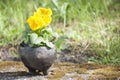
pixel 11 22
pixel 43 37
pixel 37 33
pixel 108 54
pixel 61 10
pixel 61 43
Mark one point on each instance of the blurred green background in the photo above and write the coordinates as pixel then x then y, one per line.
pixel 91 25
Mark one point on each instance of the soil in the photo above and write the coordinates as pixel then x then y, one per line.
pixel 14 70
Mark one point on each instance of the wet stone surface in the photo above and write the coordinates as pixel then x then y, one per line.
pixel 12 70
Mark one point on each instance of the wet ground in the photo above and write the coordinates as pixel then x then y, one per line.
pixel 13 70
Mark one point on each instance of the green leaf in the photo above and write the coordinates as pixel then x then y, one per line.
pixel 55 35
pixel 49 30
pixel 42 39
pixel 38 40
pixel 33 37
pixel 55 2
pixel 50 44
pixel 61 44
pixel 60 41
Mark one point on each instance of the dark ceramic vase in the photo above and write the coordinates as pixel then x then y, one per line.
pixel 40 58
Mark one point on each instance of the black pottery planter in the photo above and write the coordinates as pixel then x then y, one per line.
pixel 40 58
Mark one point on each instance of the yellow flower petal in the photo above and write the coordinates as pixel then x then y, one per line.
pixel 44 11
pixel 40 19
pixel 47 20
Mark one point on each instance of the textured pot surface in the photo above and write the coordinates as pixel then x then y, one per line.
pixel 40 58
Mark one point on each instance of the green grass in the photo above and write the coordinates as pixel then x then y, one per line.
pixel 90 23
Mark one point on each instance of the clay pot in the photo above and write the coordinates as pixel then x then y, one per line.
pixel 37 59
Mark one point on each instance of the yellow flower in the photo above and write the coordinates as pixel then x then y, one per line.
pixel 40 19
pixel 44 11
pixel 47 20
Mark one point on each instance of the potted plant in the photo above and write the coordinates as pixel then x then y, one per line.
pixel 37 50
